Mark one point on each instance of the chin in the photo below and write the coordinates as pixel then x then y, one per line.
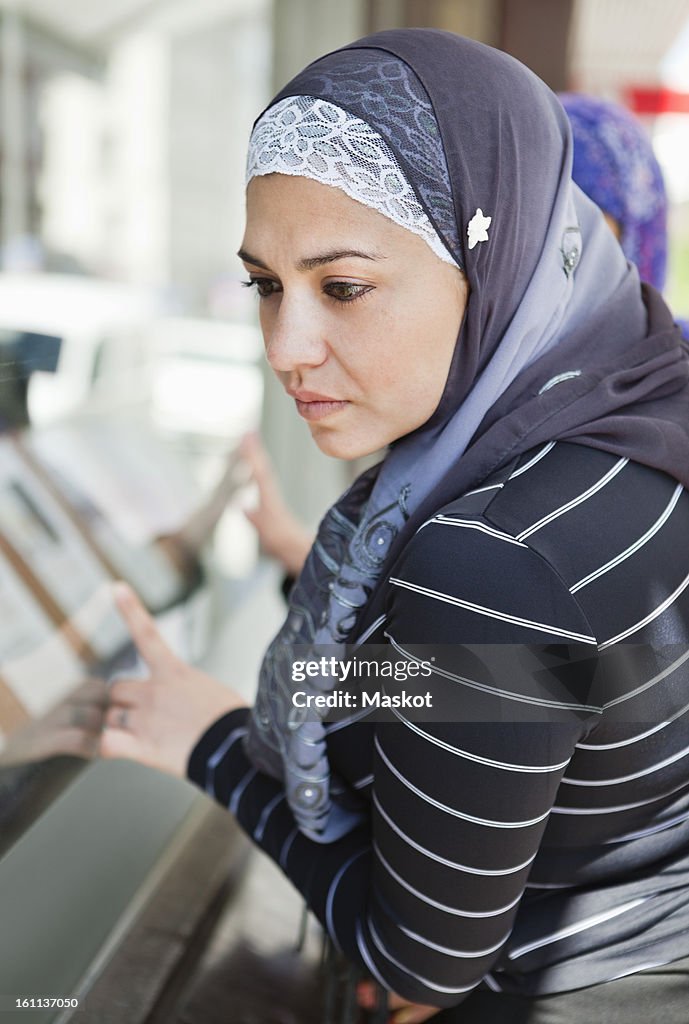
pixel 343 446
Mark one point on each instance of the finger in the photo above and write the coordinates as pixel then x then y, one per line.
pixel 252 515
pixel 45 740
pixel 250 447
pixel 142 627
pixel 260 464
pixel 85 717
pixel 130 692
pixel 92 691
pixel 118 743
pixel 119 718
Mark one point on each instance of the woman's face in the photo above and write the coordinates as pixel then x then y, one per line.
pixel 359 317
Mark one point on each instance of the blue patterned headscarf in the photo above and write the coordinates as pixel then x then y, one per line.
pixel 614 165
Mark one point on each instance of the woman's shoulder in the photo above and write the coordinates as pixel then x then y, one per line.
pixel 560 497
pixel 556 538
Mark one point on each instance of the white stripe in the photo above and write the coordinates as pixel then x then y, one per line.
pixel 417 977
pixel 220 752
pixel 649 618
pixel 371 629
pixel 480 490
pixel 493 613
pixel 634 775
pixel 568 506
pixel 217 756
pixel 497 872
pixel 459 954
pixel 239 789
pixel 332 891
pixel 651 682
pixel 451 810
pixel 286 847
pixel 434 903
pixel 574 929
pixel 366 956
pixel 633 548
pixel 472 524
pixel 495 691
pixel 618 807
pixel 366 781
pixel 502 765
pixel 330 727
pixel 492 984
pixel 265 815
pixel 634 739
pixel 532 462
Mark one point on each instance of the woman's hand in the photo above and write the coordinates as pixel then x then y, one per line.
pixel 401 1010
pixel 280 533
pixel 157 720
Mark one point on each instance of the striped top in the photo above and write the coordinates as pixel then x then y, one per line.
pixel 535 836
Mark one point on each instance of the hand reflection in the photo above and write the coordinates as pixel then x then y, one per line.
pixel 72 727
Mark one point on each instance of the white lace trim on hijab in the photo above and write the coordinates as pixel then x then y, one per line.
pixel 311 138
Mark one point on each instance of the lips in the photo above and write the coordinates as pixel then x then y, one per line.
pixel 313 406
pixel 310 396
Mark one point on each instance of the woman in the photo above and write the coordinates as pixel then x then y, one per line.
pixel 614 164
pixel 431 281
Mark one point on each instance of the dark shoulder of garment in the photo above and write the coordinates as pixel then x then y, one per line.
pixel 533 831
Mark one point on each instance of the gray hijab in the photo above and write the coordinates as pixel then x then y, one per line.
pixel 555 343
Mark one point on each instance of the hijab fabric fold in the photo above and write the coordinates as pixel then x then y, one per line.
pixel 556 343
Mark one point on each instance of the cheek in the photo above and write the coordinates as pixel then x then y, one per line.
pixel 399 355
pixel 417 357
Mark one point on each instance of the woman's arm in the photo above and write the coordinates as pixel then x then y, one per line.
pixel 426 896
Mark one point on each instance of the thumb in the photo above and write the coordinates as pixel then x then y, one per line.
pixel 260 465
pixel 142 628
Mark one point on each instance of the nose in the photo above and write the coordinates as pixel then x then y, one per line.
pixel 294 337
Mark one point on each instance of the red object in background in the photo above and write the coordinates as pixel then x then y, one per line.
pixel 657 100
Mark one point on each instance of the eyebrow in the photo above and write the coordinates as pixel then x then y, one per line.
pixel 311 262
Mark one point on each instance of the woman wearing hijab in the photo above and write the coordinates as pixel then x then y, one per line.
pixel 614 164
pixel 431 282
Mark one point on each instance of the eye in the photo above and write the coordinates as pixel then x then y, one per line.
pixel 265 286
pixel 346 291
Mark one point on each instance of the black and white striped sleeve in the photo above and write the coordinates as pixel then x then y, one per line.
pixel 425 896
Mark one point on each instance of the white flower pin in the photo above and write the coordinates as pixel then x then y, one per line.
pixel 477 230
